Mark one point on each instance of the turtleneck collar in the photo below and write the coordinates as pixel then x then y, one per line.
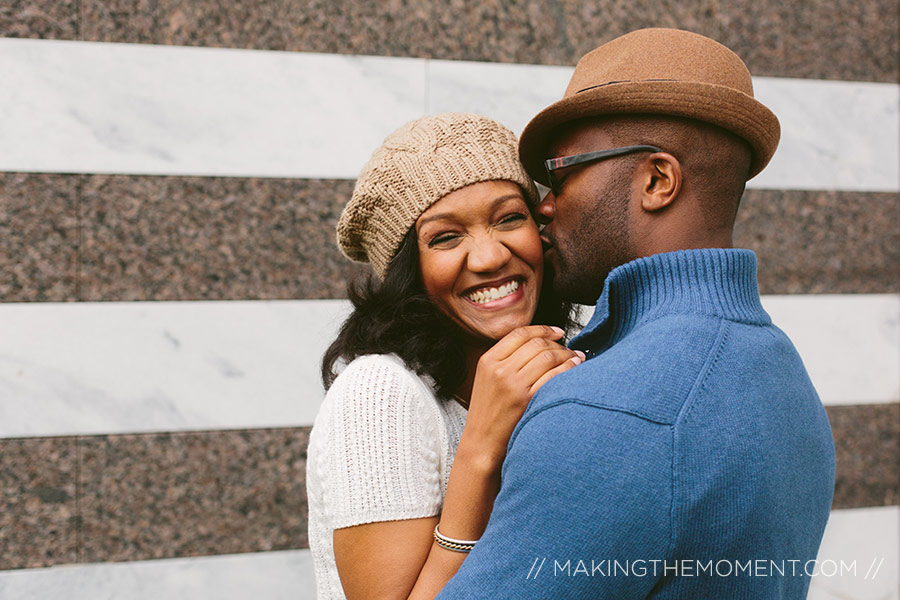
pixel 717 282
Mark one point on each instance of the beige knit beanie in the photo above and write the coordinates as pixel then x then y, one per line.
pixel 416 166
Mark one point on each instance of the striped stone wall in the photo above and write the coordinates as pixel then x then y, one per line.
pixel 170 178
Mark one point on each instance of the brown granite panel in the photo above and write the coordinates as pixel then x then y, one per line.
pixel 811 242
pixel 38 237
pixel 393 28
pixel 45 19
pixel 134 497
pixel 314 25
pixel 191 494
pixel 867 445
pixel 126 21
pixel 824 39
pixel 38 502
pixel 183 238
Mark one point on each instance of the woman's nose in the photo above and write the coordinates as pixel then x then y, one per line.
pixel 546 209
pixel 487 255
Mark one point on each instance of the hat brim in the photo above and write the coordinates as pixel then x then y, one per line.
pixel 722 106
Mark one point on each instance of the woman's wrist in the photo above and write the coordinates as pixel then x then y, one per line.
pixel 479 456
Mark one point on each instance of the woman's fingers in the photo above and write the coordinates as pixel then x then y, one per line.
pixel 524 356
pixel 537 353
pixel 520 336
pixel 573 361
pixel 544 362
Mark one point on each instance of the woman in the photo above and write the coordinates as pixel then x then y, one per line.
pixel 443 212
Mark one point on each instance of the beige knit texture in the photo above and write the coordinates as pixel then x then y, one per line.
pixel 416 166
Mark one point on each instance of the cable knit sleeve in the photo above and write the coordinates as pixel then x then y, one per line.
pixel 380 456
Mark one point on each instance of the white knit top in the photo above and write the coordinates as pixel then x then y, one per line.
pixel 381 449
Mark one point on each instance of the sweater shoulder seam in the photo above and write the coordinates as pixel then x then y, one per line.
pixel 597 405
pixel 713 357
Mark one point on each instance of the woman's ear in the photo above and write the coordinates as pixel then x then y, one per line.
pixel 660 178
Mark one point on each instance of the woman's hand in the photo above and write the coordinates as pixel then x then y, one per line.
pixel 386 559
pixel 506 378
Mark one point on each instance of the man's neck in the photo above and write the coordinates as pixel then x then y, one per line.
pixel 714 282
pixel 680 239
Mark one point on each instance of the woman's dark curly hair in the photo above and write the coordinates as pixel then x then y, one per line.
pixel 396 316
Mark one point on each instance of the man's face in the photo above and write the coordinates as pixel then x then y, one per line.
pixel 587 231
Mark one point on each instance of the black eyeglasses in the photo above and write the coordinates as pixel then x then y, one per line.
pixel 555 164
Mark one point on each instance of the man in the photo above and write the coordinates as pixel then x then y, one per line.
pixel 690 456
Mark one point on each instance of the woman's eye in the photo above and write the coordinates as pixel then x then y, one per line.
pixel 513 219
pixel 443 240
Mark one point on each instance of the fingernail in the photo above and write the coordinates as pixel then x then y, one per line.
pixel 557 330
pixel 581 354
pixel 577 360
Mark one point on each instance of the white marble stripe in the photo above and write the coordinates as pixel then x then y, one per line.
pixel 88 107
pixel 867 542
pixel 85 107
pixel 123 367
pixel 860 539
pixel 282 575
pixel 161 366
pixel 850 343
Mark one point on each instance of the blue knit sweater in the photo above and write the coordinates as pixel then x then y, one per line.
pixel 689 458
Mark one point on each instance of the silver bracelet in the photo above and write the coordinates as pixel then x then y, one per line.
pixel 448 543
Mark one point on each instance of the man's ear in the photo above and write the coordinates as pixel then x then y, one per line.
pixel 660 177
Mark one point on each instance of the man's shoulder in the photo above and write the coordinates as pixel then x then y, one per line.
pixel 652 372
pixel 648 373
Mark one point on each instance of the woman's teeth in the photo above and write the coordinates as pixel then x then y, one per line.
pixel 490 294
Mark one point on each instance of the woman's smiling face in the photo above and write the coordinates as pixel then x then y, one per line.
pixel 481 258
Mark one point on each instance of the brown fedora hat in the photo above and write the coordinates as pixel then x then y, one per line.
pixel 658 71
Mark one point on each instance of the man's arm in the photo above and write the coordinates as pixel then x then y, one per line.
pixel 582 487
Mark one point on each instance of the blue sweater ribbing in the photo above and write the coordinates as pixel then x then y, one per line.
pixel 692 438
